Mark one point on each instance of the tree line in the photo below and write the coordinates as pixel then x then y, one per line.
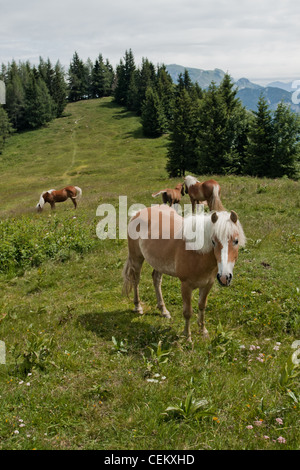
pixel 209 131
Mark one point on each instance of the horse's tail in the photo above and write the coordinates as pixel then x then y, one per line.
pixel 214 202
pixel 158 193
pixel 129 276
pixel 78 193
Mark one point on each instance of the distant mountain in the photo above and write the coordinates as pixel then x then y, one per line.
pixel 250 96
pixel 285 86
pixel 248 92
pixel 203 77
pixel 243 83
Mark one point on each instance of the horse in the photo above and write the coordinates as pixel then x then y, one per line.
pixel 167 252
pixel 52 196
pixel 207 191
pixel 171 196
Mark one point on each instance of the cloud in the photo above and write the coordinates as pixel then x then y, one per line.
pixel 247 38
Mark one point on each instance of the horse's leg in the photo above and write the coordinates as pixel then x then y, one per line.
pixel 203 293
pixel 157 279
pixel 186 293
pixel 74 202
pixel 52 204
pixel 137 274
pixel 193 204
pixel 131 276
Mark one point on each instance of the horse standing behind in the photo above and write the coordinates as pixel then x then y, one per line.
pixel 167 253
pixel 207 191
pixel 52 196
pixel 171 196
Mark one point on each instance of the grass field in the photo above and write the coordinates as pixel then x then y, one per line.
pixel 82 370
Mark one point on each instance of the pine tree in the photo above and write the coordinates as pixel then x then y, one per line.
pixel 59 90
pixel 5 127
pixel 182 147
pixel 153 118
pixel 260 149
pixel 145 78
pixel 38 103
pixel 213 144
pixel 15 100
pixel 166 92
pixel 124 73
pixel 77 79
pixel 237 124
pixel 286 126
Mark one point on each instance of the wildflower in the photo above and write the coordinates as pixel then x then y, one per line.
pixel 22 425
pixel 28 384
pixel 21 382
pixel 16 432
pixel 266 437
pixel 276 348
pixel 258 423
pixel 281 440
pixel 279 420
pixel 249 427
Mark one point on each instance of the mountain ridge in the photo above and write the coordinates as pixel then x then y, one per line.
pixel 248 92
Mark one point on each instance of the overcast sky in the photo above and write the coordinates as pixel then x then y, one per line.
pixel 257 39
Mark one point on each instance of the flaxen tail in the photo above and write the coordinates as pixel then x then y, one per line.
pixel 78 193
pixel 129 277
pixel 214 202
pixel 158 193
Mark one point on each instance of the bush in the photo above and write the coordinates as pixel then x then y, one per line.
pixel 26 242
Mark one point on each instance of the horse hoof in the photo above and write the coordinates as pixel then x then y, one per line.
pixel 204 334
pixel 166 314
pixel 139 310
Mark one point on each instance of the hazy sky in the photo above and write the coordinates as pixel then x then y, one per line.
pixel 257 39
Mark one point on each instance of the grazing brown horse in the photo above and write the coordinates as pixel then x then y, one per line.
pixel 207 191
pixel 52 196
pixel 171 196
pixel 167 252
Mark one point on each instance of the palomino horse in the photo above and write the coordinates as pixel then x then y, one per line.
pixel 162 242
pixel 52 196
pixel 207 191
pixel 171 196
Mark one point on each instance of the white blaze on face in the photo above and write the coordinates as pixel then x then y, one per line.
pixel 225 267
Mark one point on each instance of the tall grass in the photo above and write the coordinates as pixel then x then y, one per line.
pixel 82 369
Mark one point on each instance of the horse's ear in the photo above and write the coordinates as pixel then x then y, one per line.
pixel 214 217
pixel 233 217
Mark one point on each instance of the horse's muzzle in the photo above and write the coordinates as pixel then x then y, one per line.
pixel 225 279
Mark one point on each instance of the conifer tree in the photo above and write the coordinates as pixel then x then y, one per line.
pixel 181 150
pixel 212 144
pixel 77 79
pixel 38 103
pixel 153 118
pixel 286 128
pixel 5 127
pixel 261 141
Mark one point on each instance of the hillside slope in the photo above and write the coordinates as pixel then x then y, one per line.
pixel 83 371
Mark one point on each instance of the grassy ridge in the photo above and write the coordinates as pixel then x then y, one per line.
pixel 82 370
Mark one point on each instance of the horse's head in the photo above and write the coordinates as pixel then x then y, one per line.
pixel 227 236
pixel 41 203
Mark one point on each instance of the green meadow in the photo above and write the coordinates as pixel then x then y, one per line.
pixel 82 370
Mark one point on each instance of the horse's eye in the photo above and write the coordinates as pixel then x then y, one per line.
pixel 235 242
pixel 213 242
